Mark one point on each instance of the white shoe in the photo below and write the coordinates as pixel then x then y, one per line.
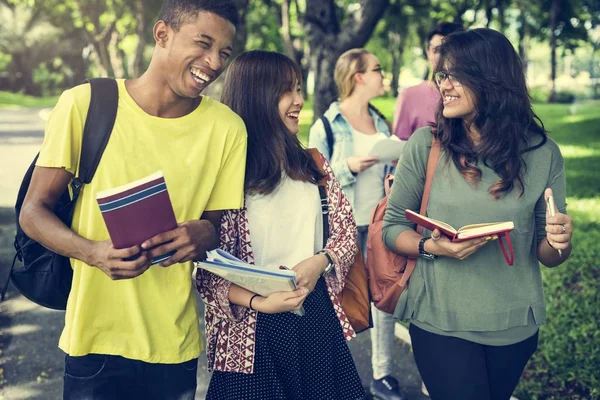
pixel 424 389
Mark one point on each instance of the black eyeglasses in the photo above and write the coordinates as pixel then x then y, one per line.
pixel 441 76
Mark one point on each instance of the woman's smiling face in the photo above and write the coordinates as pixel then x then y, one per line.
pixel 290 105
pixel 458 100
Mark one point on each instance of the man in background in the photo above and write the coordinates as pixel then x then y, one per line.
pixel 416 105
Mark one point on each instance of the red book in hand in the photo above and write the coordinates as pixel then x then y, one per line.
pixel 473 231
pixel 138 211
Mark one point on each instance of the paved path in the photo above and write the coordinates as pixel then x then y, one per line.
pixel 21 135
pixel 31 365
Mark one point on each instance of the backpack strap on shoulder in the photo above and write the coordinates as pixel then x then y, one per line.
pixel 99 123
pixel 328 135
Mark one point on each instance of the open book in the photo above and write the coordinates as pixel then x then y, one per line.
pixel 260 280
pixel 473 231
pixel 138 211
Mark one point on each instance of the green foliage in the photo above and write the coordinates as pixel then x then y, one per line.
pixel 263 26
pixel 49 76
pixel 5 60
pixel 539 94
pixel 10 100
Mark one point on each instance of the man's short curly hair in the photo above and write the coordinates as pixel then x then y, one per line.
pixel 175 13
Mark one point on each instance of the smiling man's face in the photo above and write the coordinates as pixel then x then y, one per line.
pixel 196 54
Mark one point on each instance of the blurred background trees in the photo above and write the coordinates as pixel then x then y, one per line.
pixel 47 46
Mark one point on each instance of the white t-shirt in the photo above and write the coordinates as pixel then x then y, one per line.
pixel 368 189
pixel 286 226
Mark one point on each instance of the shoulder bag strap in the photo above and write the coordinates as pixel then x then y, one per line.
pixel 318 159
pixel 434 155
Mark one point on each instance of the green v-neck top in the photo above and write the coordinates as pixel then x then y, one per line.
pixel 481 298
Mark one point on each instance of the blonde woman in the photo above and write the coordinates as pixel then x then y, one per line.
pixel 356 126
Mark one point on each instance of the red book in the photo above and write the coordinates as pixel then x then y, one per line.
pixel 137 211
pixel 473 231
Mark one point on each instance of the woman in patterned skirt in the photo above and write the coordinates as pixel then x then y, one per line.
pixel 256 348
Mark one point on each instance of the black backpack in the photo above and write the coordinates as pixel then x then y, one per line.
pixel 45 277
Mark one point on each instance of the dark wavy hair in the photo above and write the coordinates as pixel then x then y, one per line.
pixel 485 62
pixel 254 84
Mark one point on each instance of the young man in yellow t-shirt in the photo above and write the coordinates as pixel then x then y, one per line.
pixel 131 329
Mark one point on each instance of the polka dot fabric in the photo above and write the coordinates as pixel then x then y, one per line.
pixel 297 358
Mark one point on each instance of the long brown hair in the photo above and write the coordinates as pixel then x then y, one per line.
pixel 254 84
pixel 486 63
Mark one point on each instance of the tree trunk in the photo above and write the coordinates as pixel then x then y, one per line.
pixel 24 76
pixel 488 15
pixel 140 17
pixel 327 42
pixel 397 41
pixel 116 56
pixel 294 46
pixel 101 43
pixel 501 16
pixel 523 40
pixel 241 33
pixel 595 83
pixel 554 11
pixel 323 64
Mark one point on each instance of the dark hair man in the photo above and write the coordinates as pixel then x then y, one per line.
pixel 416 105
pixel 131 329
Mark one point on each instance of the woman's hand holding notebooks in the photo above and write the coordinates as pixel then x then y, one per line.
pixel 138 211
pixel 262 280
pixel 472 231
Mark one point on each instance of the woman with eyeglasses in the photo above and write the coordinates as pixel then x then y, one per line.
pixel 355 126
pixel 474 320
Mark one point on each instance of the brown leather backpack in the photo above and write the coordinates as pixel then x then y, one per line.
pixel 354 297
pixel 388 271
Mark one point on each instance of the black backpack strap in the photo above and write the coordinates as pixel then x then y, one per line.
pixel 328 135
pixel 98 127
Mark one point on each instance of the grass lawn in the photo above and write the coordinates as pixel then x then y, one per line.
pixel 14 100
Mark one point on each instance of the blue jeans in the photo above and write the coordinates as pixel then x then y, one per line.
pixel 382 333
pixel 100 377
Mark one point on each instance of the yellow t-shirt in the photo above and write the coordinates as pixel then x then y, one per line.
pixel 152 317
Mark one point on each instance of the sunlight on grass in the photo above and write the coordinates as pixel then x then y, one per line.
pixel 574 119
pixel 15 100
pixel 569 151
pixel 589 209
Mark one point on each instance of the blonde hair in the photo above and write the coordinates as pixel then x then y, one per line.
pixel 349 63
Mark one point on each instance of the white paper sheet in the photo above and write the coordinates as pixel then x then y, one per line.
pixel 388 150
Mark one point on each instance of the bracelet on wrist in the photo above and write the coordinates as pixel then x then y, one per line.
pixel 250 303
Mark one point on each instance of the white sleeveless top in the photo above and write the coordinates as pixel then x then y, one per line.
pixel 286 226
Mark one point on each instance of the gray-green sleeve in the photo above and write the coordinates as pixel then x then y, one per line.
pixel 407 189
